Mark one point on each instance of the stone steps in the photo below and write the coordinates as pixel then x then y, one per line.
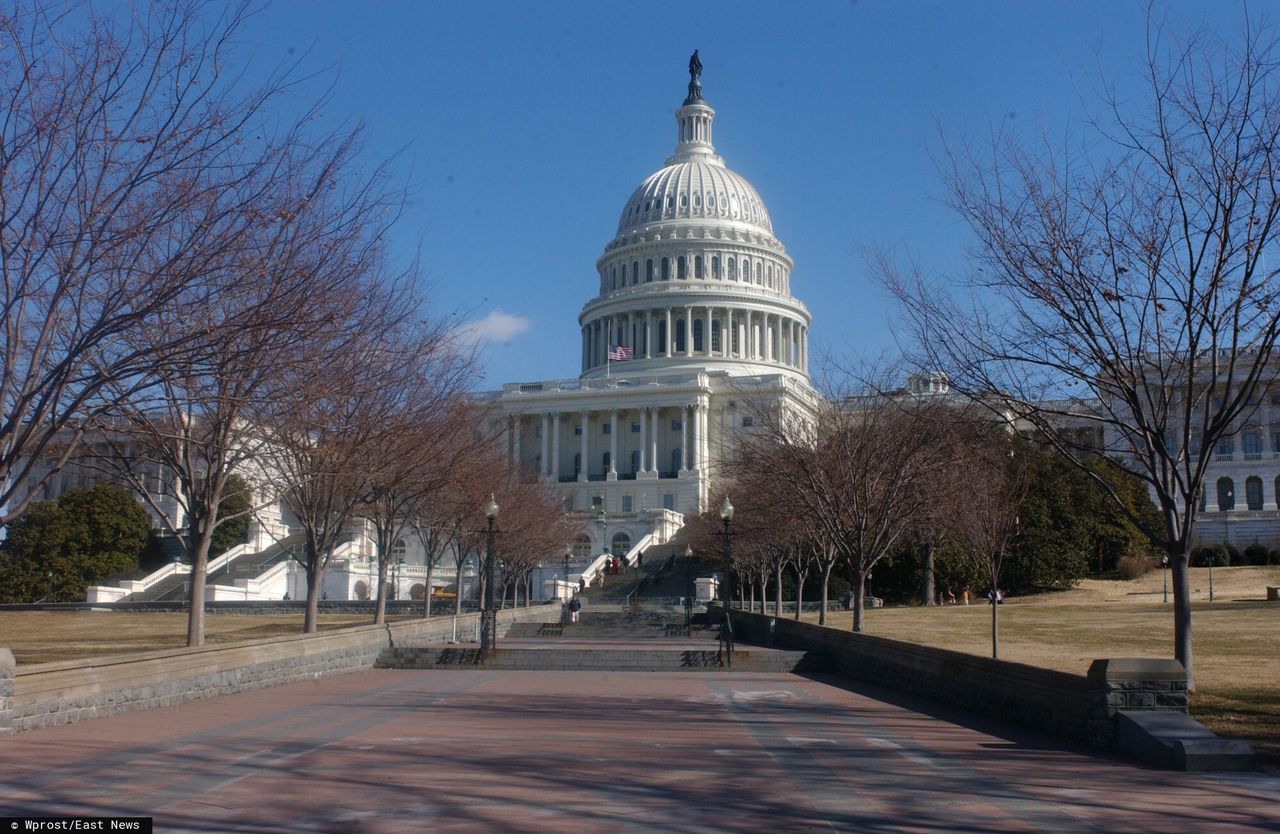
pixel 603 659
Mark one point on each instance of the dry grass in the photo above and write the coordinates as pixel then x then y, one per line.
pixel 46 636
pixel 1236 640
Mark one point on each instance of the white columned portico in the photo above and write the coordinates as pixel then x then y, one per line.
pixel 612 474
pixel 585 453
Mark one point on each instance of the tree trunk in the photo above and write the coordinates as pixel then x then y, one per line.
pixel 801 576
pixel 859 597
pixel 426 594
pixel 826 581
pixel 777 589
pixel 928 591
pixel 995 625
pixel 380 607
pixel 1182 611
pixel 195 593
pixel 310 619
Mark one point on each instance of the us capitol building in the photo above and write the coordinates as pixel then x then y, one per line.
pixel 693 319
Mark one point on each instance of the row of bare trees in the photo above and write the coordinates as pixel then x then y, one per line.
pixel 194 273
pixel 859 478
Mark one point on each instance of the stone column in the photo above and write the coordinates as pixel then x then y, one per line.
pixel 515 441
pixel 684 439
pixel 612 474
pixel 644 433
pixel 706 332
pixel 648 335
pixel 695 439
pixel 704 440
pixel 653 442
pixel 688 331
pixel 586 447
pixel 555 446
pixel 670 336
pixel 546 445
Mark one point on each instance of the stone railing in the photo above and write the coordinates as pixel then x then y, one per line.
pixel 47 694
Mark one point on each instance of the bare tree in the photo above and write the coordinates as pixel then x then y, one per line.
pixel 431 432
pixel 323 432
pixel 997 480
pixel 1127 285
pixel 136 172
pixel 291 277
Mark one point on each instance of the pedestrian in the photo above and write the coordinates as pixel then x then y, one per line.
pixel 966 596
pixel 951 597
pixel 575 605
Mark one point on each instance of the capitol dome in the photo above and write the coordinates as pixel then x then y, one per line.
pixel 694 277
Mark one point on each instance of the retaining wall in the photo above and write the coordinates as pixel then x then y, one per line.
pixel 1042 698
pixel 46 694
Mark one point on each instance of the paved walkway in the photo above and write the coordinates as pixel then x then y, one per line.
pixel 476 750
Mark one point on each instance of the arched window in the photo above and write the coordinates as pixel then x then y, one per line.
pixel 731 267
pixel 682 270
pixel 635 461
pixel 620 545
pixel 648 271
pixel 1226 494
pixel 680 336
pixel 697 335
pixel 769 277
pixel 1253 492
pixel 697 266
pixel 697 201
pixel 734 339
pixel 635 273
pixel 1204 499
pixel 614 280
pixel 715 266
pixel 666 269
pixel 399 551
pixel 684 201
pixel 582 548
pixel 715 336
pixel 759 273
pixel 662 336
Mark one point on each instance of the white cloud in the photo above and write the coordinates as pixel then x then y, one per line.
pixel 496 327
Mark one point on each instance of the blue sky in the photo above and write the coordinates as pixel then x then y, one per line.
pixel 524 127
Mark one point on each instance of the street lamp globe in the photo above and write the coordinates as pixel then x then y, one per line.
pixel 491 509
pixel 726 510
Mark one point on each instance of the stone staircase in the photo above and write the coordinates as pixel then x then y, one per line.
pixel 602 658
pixel 612 640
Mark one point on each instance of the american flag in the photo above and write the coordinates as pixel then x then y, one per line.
pixel 618 353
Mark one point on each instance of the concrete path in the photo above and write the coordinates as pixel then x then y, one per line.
pixel 475 750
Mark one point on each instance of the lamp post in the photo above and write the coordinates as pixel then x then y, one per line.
pixel 488 614
pixel 49 596
pixel 726 515
pixel 1210 560
pixel 1164 562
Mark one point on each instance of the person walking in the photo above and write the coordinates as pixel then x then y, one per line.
pixel 575 606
